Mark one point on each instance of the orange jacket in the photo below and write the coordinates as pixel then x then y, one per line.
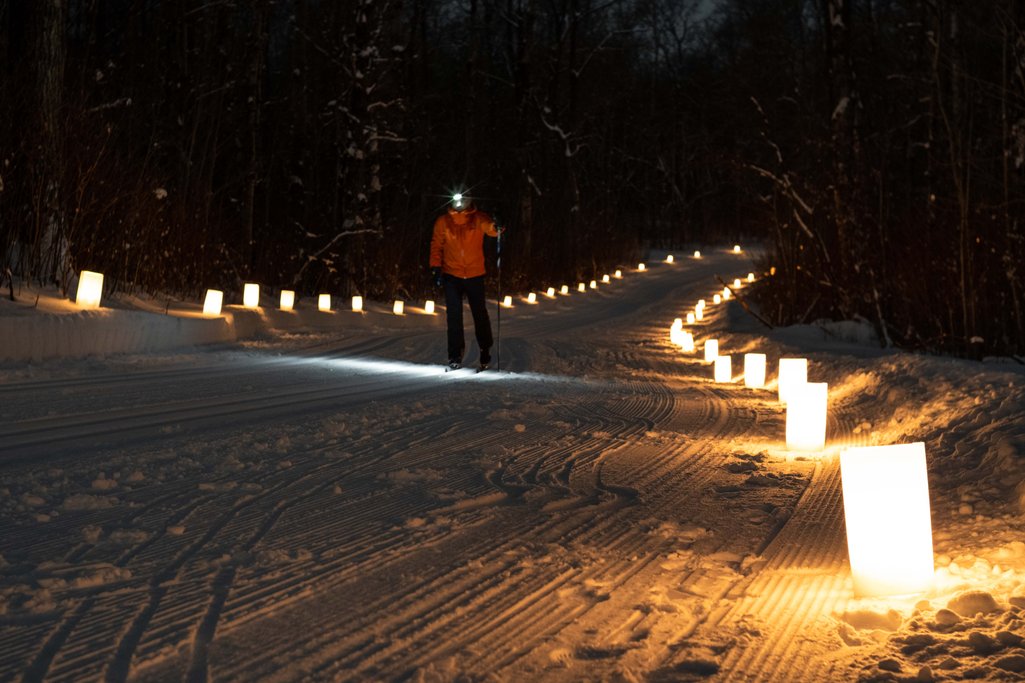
pixel 457 246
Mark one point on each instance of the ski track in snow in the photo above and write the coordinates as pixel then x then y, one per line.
pixel 322 508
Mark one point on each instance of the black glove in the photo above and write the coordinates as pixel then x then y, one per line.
pixel 436 276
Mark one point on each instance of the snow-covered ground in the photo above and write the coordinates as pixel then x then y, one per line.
pixel 312 497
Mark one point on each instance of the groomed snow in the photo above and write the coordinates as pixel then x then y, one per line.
pixel 309 496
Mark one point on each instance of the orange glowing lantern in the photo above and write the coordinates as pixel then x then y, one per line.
pixel 792 372
pixel 251 295
pixel 90 289
pixel 886 508
pixel 723 369
pixel 711 350
pixel 212 302
pixel 806 416
pixel 754 370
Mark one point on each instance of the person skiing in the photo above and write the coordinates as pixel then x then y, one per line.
pixel 457 264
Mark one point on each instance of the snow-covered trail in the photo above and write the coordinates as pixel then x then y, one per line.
pixel 340 508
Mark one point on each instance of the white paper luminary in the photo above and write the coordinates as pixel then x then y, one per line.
pixel 717 299
pixel 691 317
pixel 792 372
pixel 90 289
pixel 688 343
pixel 711 350
pixel 399 307
pixel 736 283
pixel 324 303
pixel 669 259
pixel 551 293
pixel 723 369
pixel 677 324
pixel 701 304
pixel 357 304
pixel 429 307
pixel 806 417
pixel 251 295
pixel 594 284
pixel 736 248
pixel 641 266
pixel 889 529
pixel 287 300
pixel 750 277
pixel 532 298
pixel 619 275
pixel 697 254
pixel 726 293
pixel 564 289
pixel 754 370
pixel 699 313
pixel 212 302
pixel 581 287
pixel 606 279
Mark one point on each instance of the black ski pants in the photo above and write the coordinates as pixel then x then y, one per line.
pixel 473 289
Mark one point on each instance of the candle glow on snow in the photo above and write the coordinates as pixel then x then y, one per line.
pixel 792 372
pixel 711 350
pixel 212 302
pixel 889 529
pixel 806 417
pixel 754 370
pixel 90 289
pixel 723 369
pixel 251 295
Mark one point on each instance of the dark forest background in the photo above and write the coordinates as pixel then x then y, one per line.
pixel 875 146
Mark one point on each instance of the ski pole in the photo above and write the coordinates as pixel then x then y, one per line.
pixel 498 352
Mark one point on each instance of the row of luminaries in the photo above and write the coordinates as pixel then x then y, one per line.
pixel 90 289
pixel 885 488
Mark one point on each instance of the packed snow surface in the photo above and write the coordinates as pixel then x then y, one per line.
pixel 313 497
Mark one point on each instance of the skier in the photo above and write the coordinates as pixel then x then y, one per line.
pixel 457 264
